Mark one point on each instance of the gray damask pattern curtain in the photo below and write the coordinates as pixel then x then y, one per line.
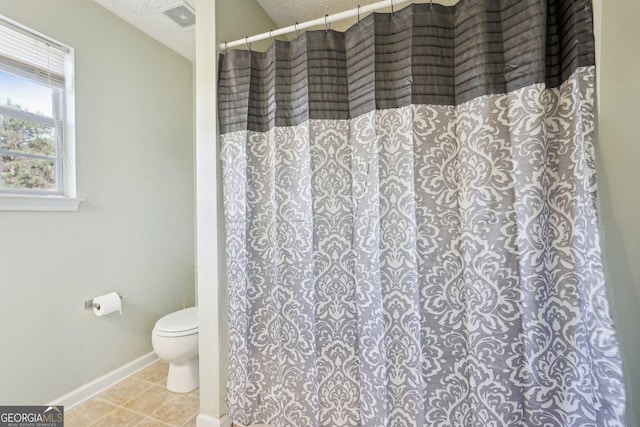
pixel 411 223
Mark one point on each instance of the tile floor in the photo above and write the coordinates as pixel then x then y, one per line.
pixel 141 400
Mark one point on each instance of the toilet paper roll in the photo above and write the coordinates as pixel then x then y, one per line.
pixel 107 304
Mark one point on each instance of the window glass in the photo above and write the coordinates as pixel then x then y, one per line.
pixel 20 172
pixel 25 95
pixel 26 137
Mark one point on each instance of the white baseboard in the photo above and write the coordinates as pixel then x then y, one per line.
pixel 87 391
pixel 204 420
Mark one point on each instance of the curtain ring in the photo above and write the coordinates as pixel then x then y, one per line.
pixel 326 23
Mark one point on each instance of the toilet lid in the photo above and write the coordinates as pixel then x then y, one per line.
pixel 179 321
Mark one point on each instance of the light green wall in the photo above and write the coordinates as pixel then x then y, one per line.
pixel 619 178
pixel 134 233
pixel 236 19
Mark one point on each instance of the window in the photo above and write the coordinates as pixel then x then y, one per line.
pixel 37 164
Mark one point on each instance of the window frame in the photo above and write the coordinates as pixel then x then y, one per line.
pixel 63 197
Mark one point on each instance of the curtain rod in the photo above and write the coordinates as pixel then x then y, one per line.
pixel 326 20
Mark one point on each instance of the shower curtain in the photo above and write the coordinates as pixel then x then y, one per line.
pixel 411 224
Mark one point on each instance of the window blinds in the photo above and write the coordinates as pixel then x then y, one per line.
pixel 31 55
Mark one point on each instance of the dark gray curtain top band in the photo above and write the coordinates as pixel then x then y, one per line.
pixel 419 55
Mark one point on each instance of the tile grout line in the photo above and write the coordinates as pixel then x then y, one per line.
pixel 134 411
pixel 118 406
pixel 118 383
pixel 149 386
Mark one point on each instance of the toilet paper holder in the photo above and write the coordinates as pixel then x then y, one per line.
pixel 90 304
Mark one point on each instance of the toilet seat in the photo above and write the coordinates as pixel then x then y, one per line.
pixel 178 324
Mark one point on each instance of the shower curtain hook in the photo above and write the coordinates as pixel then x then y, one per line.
pixel 326 23
pixel 271 36
pixel 391 7
pixel 358 15
pixel 431 4
pixel 225 48
pixel 246 40
pixel 296 27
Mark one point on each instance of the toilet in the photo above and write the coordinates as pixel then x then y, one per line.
pixel 175 340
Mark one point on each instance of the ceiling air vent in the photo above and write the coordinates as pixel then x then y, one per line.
pixel 182 15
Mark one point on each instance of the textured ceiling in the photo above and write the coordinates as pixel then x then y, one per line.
pixel 147 16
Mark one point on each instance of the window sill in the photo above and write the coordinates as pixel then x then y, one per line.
pixel 38 203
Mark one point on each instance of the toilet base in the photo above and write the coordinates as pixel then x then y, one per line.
pixel 183 377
